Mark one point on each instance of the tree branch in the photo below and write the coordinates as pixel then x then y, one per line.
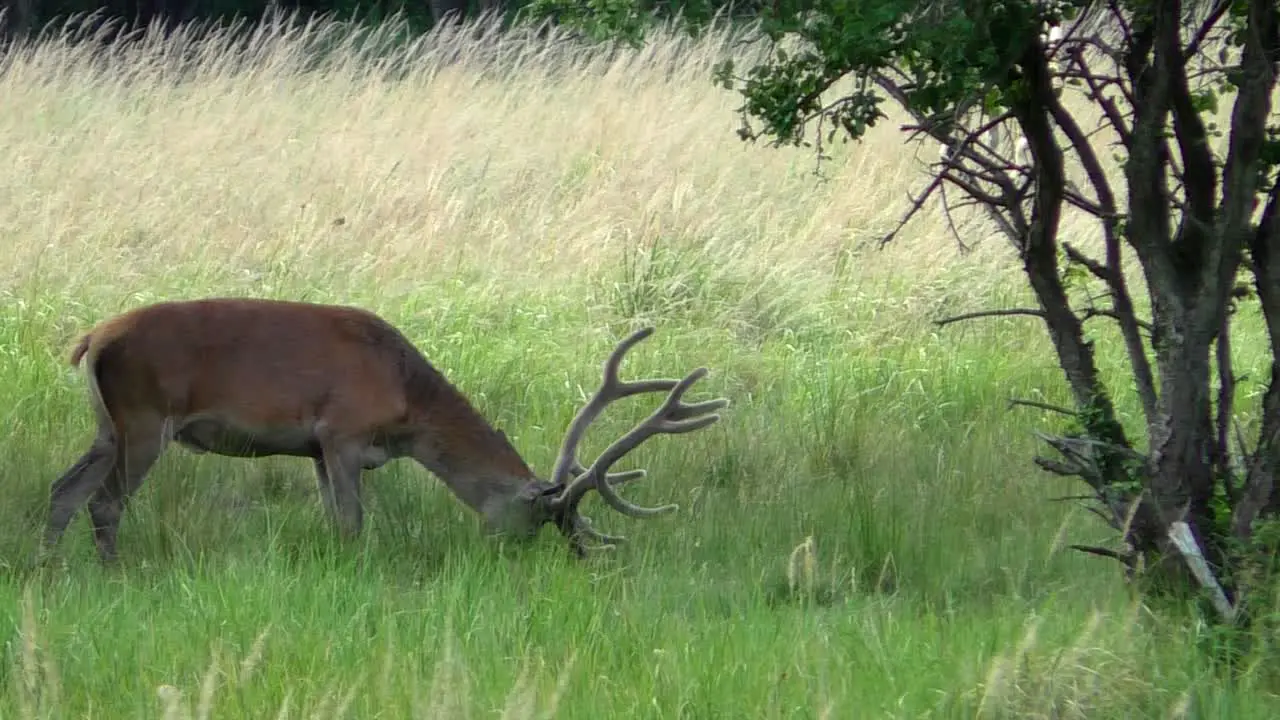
pixel 1226 397
pixel 1040 254
pixel 989 313
pixel 1248 134
pixel 1091 313
pixel 1015 402
pixel 1149 231
pixel 1199 174
pixel 1259 494
pixel 1126 558
pixel 1193 47
pixel 916 204
pixel 1096 87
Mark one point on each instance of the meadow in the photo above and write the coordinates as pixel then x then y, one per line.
pixel 863 534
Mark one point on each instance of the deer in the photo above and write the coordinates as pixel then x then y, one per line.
pixel 249 378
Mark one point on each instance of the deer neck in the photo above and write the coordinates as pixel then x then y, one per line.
pixel 474 460
pixel 489 477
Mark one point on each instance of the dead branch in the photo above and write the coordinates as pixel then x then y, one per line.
pixel 1007 312
pixel 1058 467
pixel 1097 85
pixel 1098 270
pixel 1091 313
pixel 1017 402
pixel 1126 558
pixel 974 191
pixel 1193 47
pixel 1079 201
pixel 1180 535
pixel 947 208
pixel 916 204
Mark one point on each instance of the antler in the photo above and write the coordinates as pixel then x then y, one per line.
pixel 672 417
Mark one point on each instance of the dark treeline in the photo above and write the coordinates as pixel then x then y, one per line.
pixel 28 16
pixel 22 17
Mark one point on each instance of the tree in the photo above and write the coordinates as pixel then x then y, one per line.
pixel 1202 207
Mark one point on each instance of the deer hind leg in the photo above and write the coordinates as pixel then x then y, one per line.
pixel 327 497
pixel 340 466
pixel 141 445
pixel 75 486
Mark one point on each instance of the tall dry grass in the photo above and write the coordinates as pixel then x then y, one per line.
pixel 516 159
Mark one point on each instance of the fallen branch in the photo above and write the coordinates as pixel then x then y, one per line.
pixel 1182 538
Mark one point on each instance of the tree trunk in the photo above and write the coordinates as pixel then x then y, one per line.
pixel 1183 444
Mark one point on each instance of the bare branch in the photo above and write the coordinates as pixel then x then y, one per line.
pixel 1199 176
pixel 1058 467
pixel 1007 312
pixel 1077 200
pixel 1098 270
pixel 947 208
pixel 1149 232
pixel 1091 313
pixel 1097 85
pixel 1112 273
pixel 1039 252
pixel 1234 489
pixel 974 191
pixel 916 204
pixel 1126 558
pixel 1016 402
pixel 1193 47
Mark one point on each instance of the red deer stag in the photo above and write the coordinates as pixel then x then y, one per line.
pixel 339 385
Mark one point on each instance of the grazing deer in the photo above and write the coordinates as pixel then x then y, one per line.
pixel 339 385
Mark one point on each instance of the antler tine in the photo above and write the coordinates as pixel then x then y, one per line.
pixel 579 528
pixel 611 389
pixel 585 529
pixel 672 417
pixel 614 478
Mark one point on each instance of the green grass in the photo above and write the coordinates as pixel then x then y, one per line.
pixel 863 535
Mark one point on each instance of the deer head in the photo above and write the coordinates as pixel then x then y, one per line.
pixel 342 387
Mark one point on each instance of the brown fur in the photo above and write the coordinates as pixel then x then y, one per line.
pixel 313 377
pixel 273 363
